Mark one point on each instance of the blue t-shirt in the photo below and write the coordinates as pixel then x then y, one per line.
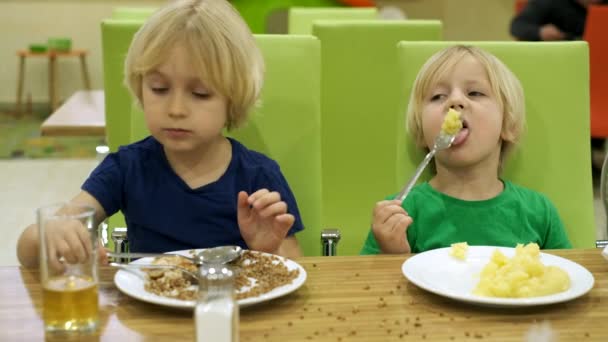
pixel 164 214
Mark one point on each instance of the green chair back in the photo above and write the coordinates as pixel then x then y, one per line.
pixel 256 13
pixel 300 19
pixel 116 36
pixel 287 125
pixel 554 156
pixel 359 106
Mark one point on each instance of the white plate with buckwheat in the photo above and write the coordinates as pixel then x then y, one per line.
pixel 136 283
pixel 439 272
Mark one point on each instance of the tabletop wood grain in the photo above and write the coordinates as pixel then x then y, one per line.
pixel 354 298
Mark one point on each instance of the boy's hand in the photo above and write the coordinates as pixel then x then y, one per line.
pixel 389 225
pixel 70 240
pixel 550 32
pixel 263 220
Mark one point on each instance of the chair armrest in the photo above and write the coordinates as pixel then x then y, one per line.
pixel 121 242
pixel 329 239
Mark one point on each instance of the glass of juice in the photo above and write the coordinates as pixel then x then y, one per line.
pixel 68 267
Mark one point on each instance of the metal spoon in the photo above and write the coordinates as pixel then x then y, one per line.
pixel 215 255
pixel 442 142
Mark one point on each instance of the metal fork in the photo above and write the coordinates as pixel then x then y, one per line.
pixel 442 142
pixel 129 267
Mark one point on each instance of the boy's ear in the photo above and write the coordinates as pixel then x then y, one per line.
pixel 507 135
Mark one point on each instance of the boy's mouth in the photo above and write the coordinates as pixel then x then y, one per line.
pixel 177 132
pixel 462 135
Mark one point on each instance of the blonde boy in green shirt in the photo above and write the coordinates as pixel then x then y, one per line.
pixel 466 200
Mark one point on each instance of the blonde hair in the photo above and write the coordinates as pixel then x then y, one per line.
pixel 220 43
pixel 504 84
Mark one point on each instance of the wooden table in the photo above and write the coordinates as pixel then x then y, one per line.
pixel 82 114
pixel 360 298
pixel 52 57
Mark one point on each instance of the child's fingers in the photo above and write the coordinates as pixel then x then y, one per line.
pixel 85 239
pixel 76 252
pixel 265 200
pixel 256 195
pixel 403 223
pixel 53 258
pixel 286 221
pixel 64 250
pixel 275 209
pixel 388 211
pixel 102 255
pixel 243 209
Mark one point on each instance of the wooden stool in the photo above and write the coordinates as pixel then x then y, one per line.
pixel 52 56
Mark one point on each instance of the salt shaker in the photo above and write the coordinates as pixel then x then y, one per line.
pixel 216 314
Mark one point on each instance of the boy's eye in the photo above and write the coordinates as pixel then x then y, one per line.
pixel 476 93
pixel 436 97
pixel 201 95
pixel 159 90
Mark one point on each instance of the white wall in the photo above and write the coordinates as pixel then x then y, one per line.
pixel 33 21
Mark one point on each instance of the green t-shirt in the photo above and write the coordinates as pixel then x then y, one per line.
pixel 516 215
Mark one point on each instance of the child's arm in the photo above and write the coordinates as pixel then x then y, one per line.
pixel 389 225
pixel 71 242
pixel 264 223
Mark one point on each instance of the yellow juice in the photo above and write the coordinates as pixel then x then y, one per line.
pixel 70 303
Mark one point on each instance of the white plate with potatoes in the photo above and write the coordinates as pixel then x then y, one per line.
pixel 440 272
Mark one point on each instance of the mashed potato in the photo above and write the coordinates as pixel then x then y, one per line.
pixel 451 123
pixel 521 276
pixel 459 250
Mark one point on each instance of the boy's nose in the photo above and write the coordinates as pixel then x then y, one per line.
pixel 458 107
pixel 177 106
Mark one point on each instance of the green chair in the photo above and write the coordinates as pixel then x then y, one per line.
pixel 554 156
pixel 287 125
pixel 132 13
pixel 300 19
pixel 116 36
pixel 359 106
pixel 256 13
